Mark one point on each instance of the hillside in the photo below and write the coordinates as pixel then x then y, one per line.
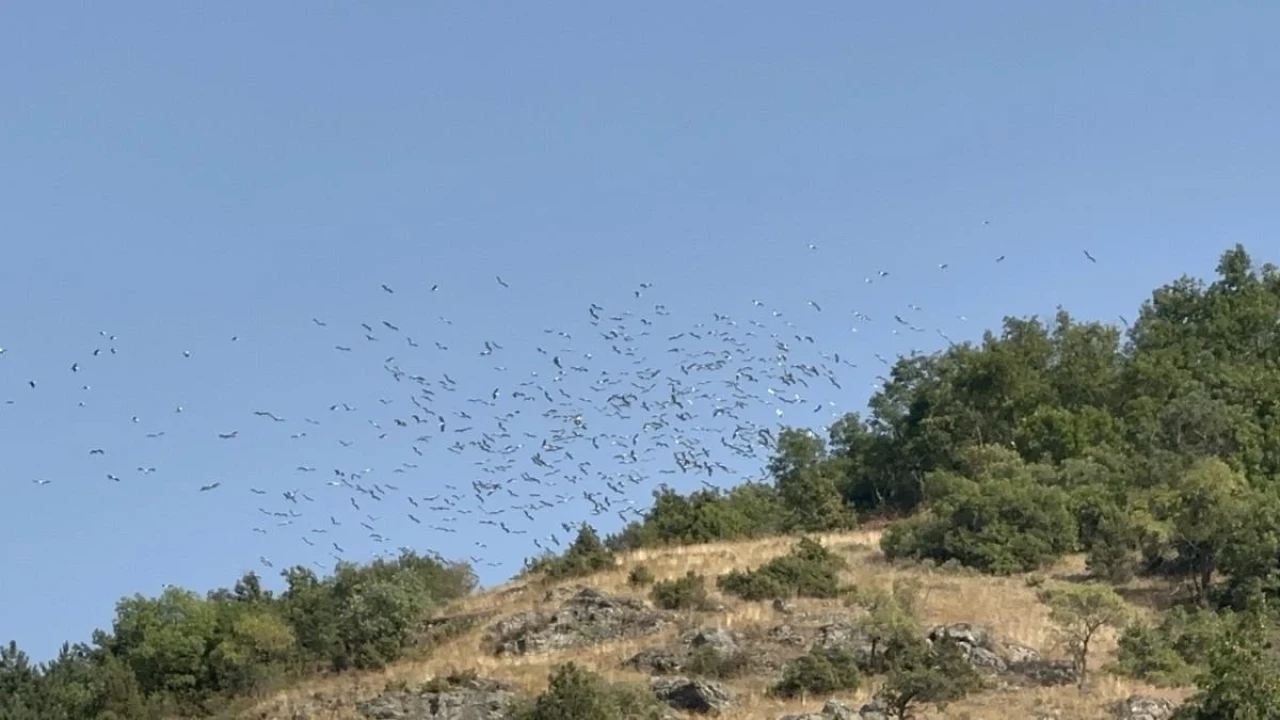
pixel 1007 605
pixel 1045 523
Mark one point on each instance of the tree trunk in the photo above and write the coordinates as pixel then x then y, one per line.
pixel 1084 667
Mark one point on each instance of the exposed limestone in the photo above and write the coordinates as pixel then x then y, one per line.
pixel 465 699
pixel 699 696
pixel 586 617
pixel 683 671
pixel 836 710
pixel 1142 707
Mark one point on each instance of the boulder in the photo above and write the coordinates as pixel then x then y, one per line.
pixel 1142 707
pixel 699 696
pixel 472 699
pixel 586 617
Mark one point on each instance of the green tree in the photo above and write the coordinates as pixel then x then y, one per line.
pixel 937 675
pixel 1242 678
pixel 1004 517
pixel 21 693
pixel 1199 514
pixel 586 556
pixel 1078 612
pixel 748 510
pixel 809 484
pixel 891 625
pixel 165 640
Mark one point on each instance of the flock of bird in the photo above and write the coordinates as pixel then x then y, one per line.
pixel 589 421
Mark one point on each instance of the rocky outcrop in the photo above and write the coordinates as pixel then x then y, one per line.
pixel 1010 659
pixel 468 699
pixel 699 696
pixel 836 710
pixel 846 636
pixel 699 649
pixel 1142 707
pixel 768 652
pixel 586 617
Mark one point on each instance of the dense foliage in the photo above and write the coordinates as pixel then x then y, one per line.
pixel 183 653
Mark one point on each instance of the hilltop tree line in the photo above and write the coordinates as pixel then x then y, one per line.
pixel 180 653
pixel 1153 449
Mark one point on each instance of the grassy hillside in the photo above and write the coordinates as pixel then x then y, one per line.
pixel 1105 503
pixel 1007 604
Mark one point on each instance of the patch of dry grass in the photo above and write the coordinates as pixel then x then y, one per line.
pixel 1008 605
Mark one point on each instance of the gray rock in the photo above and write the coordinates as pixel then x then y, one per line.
pixel 976 644
pixel 700 696
pixel 470 700
pixel 983 654
pixel 963 633
pixel 719 640
pixel 656 661
pixel 1142 707
pixel 1015 654
pixel 873 710
pixel 1046 672
pixel 836 710
pixel 586 617
pixel 737 654
pixel 786 635
pixel 984 660
pixel 846 637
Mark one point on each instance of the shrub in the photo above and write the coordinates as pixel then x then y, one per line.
pixel 708 662
pixel 640 576
pixel 936 674
pixel 748 510
pixel 1170 653
pixel 891 625
pixel 1002 524
pixel 575 693
pixel 1242 674
pixel 686 593
pixel 445 683
pixel 809 570
pixel 818 672
pixel 586 556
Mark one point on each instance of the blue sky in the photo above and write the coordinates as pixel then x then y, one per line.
pixel 176 177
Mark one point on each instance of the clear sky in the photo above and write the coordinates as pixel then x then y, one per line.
pixel 176 177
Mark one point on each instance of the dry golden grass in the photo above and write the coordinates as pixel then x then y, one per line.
pixel 1008 605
